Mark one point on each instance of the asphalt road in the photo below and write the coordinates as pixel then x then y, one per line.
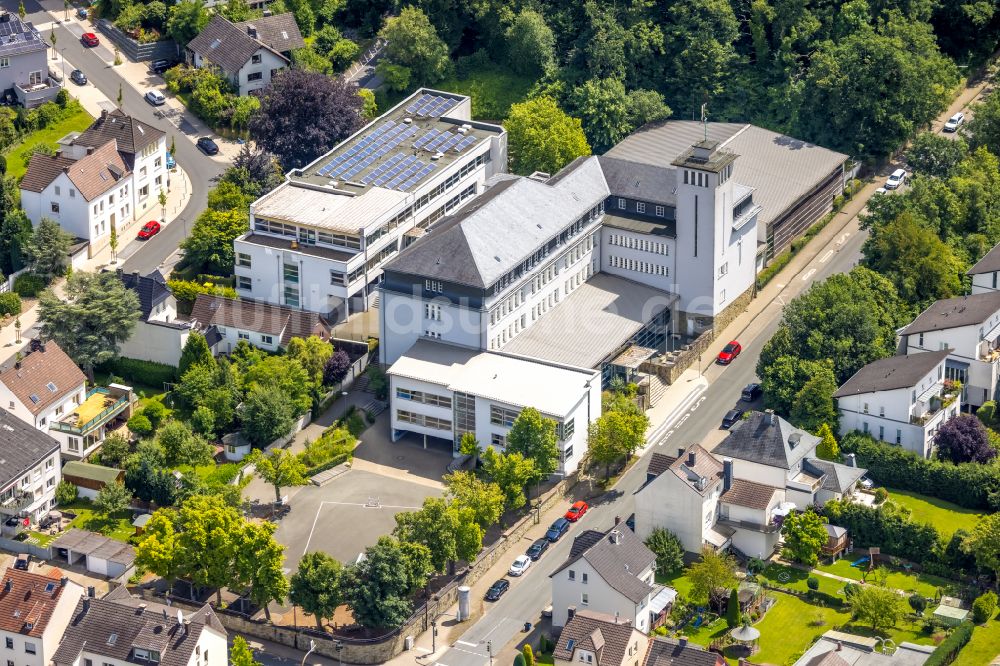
pixel 532 592
pixel 201 169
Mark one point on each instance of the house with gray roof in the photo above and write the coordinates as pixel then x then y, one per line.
pixel 902 400
pixel 985 273
pixel 29 472
pixel 24 77
pixel 247 54
pixel 158 335
pixel 599 639
pixel 610 572
pixel 837 648
pixel 665 651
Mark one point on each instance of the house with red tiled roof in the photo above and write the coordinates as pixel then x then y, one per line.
pixel 34 613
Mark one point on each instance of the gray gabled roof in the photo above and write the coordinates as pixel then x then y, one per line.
pixel 767 439
pixel 227 45
pixel 635 180
pixel 895 372
pixel 618 557
pixel 490 236
pixel 955 312
pixel 988 264
pixel 669 652
pixel 837 478
pixel 605 635
pixel 24 447
pixel 279 32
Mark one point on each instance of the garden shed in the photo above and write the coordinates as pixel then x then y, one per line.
pixel 950 612
pixel 88 478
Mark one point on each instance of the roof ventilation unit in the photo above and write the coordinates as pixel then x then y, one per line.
pixel 407 121
pixel 436 156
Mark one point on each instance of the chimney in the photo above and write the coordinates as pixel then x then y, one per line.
pixel 104 114
pixel 63 581
pixel 8 585
pixel 727 474
pixel 616 537
pixel 840 646
pixel 680 451
pixel 35 344
pixel 90 150
pixel 772 418
pixel 618 519
pixel 682 641
pixel 90 592
pixel 86 604
pixel 692 458
pixel 852 460
pixel 570 612
pixel 142 609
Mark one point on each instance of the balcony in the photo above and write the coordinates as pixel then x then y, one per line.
pixel 751 526
pixel 930 402
pixel 30 95
pixel 100 406
pixel 16 504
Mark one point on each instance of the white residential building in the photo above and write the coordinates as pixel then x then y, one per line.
pixel 969 327
pixel 985 273
pixel 901 400
pixel 319 241
pixel 122 630
pixel 34 612
pixel 225 322
pixel 158 335
pixel 29 473
pixel 600 639
pixel 442 391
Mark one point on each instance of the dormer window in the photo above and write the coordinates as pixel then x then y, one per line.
pixel 112 639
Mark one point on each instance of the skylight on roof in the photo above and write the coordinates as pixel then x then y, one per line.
pixel 215 44
pixel 34 398
pixel 49 587
pixel 50 386
pixel 570 643
pixel 112 639
pixel 284 34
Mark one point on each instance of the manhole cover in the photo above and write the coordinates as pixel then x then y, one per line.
pixel 400 457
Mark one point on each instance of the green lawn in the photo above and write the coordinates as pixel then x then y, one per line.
pixel 213 473
pixel 984 646
pixel 944 516
pixel 87 518
pixel 924 584
pixel 790 627
pixel 492 89
pixel 678 581
pixel 77 122
pixel 790 577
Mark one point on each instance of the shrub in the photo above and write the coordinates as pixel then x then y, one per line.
pixel 140 426
pixel 984 607
pixel 918 603
pixel 336 367
pixel 10 304
pixel 987 413
pixel 155 412
pixel 203 421
pixel 885 526
pixel 28 285
pixel 777 263
pixel 136 371
pixel 850 589
pixel 66 492
pixel 881 495
pixel 948 650
pixel 812 583
pixel 334 444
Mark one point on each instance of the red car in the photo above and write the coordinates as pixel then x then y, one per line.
pixel 148 230
pixel 576 511
pixel 729 353
pixel 90 39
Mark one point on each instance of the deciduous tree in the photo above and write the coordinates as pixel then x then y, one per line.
pixel 316 586
pixel 984 544
pixel 668 550
pixel 182 446
pixel 379 587
pixel 158 551
pixel 279 467
pixel 534 437
pixel 530 43
pixel 711 577
pixel 259 560
pixel 935 155
pixel 336 367
pixel 878 606
pixel 313 353
pixel 449 531
pixel 542 137
pixel 814 405
pixel 187 19
pixel 209 538
pixel 485 499
pixel 964 439
pixel 113 498
pixel 805 535
pixel 209 248
pixel 240 653
pixel 114 450
pixel 512 472
pixel 413 42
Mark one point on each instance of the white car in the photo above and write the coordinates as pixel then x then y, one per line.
pixel 954 122
pixel 881 190
pixel 520 565
pixel 155 97
pixel 895 179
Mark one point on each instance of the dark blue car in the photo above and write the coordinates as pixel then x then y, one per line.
pixel 558 528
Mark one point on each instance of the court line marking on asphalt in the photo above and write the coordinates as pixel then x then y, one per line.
pixel 467 643
pixel 319 510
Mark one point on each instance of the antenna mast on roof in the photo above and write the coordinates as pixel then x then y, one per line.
pixel 704 119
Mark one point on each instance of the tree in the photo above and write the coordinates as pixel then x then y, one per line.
pixel 369 109
pixel 316 586
pixel 140 425
pixel 964 439
pixel 918 603
pixel 259 560
pixel 158 551
pixel 698 43
pixel 114 450
pixel 542 137
pixel 336 367
pixel 195 352
pixel 303 115
pixel 187 19
pixel 210 245
pixel 378 588
pixel 529 656
pixel 984 544
pixel 240 653
pixel 313 353
pixel 711 576
pixel 412 42
pixel 182 446
pixel 113 498
pixel 468 445
pixel 285 373
pixel 814 405
pixel 645 106
pixel 531 44
pixel 936 155
pixel 210 534
pixel 48 250
pixel 733 609
pixel 983 128
pixel 828 449
pixel 512 472
pixel 66 492
pixel 877 606
pixel 449 531
pixel 616 435
pixel 786 376
pixel 268 414
pixel 279 467
pixel 603 109
pixel 668 550
pixel 95 314
pixel 805 535
pixel 534 437
pixel 237 10
pixel 484 499
pixel 984 607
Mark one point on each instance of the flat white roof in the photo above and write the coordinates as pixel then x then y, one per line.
pixel 343 213
pixel 550 389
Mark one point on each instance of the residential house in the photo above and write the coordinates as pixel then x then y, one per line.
pixel 122 629
pixel 226 321
pixel 90 479
pixel 837 648
pixel 610 572
pixel 34 612
pixel 44 387
pixel 247 54
pixel 669 652
pixel 969 327
pixel 599 639
pixel 443 391
pixel 29 473
pixel 108 176
pixel 986 271
pixel 158 335
pixel 319 241
pixel 24 63
pixel 902 400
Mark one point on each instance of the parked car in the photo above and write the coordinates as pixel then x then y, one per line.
pixel 537 549
pixel 558 528
pixel 22 562
pixel 896 179
pixel 497 589
pixel 148 230
pixel 90 39
pixel 160 66
pixel 520 565
pixel 155 97
pixel 867 483
pixel 881 190
pixel 207 146
pixel 731 417
pixel 954 122
pixel 171 163
pixel 751 392
pixel 729 353
pixel 78 77
pixel 576 511
pixel 81 13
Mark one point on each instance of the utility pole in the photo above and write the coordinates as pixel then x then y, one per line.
pixel 434 633
pixel 489 651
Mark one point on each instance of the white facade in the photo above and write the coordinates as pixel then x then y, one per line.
pixel 672 504
pixel 20 649
pixel 150 176
pixel 580 587
pixel 37 486
pixel 255 74
pixel 985 282
pixel 210 650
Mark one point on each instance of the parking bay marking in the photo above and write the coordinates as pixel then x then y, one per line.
pixel 319 510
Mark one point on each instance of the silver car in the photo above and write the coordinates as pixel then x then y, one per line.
pixel 155 97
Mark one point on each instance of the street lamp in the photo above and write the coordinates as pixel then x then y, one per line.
pixel 489 651
pixel 312 646
pixel 434 634
pixel 344 394
pixel 338 646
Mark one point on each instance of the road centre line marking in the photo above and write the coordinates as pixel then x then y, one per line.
pixel 826 257
pixel 805 278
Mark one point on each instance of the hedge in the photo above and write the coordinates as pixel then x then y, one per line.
pixel 949 648
pixel 10 304
pixel 971 485
pixel 28 285
pixel 884 526
pixel 148 373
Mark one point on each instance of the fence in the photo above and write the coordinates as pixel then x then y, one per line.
pixel 9 283
pixel 133 50
pixel 22 547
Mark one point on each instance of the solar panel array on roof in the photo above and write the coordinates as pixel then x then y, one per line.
pixel 431 106
pixel 378 143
